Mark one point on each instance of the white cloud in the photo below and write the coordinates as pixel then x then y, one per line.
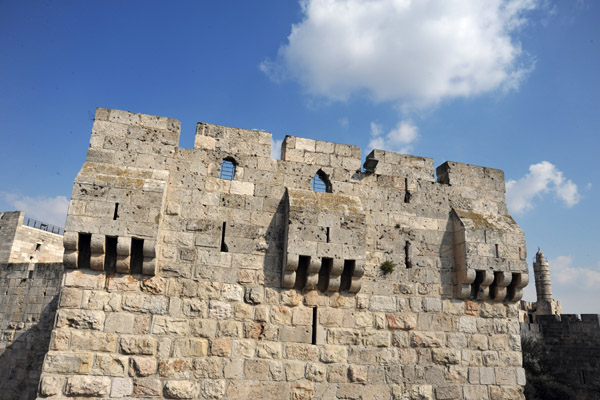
pixel 398 139
pixel 541 179
pixel 52 210
pixel 564 272
pixel 415 52
pixel 276 149
pixel 344 122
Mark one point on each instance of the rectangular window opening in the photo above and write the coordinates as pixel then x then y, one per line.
pixel 324 272
pixel 38 246
pixel 407 260
pixel 116 214
pixel 84 248
pixel 224 248
pixel 302 272
pixel 110 257
pixel 484 236
pixel 406 192
pixel 315 321
pixel 137 255
pixel 327 233
pixel 497 252
pixel 346 280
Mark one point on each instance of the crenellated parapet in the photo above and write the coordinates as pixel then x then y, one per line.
pixel 220 272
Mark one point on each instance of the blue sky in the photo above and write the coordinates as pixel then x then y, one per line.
pixel 510 84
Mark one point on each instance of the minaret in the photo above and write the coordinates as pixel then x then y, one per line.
pixel 541 271
pixel 545 305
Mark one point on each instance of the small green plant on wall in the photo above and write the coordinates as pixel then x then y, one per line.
pixel 387 267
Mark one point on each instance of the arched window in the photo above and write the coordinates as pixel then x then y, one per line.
pixel 321 183
pixel 228 169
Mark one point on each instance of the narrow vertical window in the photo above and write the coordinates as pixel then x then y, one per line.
pixel 137 255
pixel 110 257
pixel 406 192
pixel 116 214
pixel 84 248
pixel 321 183
pixel 407 260
pixel 224 248
pixel 484 236
pixel 327 234
pixel 228 169
pixel 497 252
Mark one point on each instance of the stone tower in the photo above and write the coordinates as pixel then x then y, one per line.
pixel 543 287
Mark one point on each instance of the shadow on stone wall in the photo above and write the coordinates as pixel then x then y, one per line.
pixel 28 306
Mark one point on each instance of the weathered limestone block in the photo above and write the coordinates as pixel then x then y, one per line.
pixel 181 390
pixel 88 386
pixel 147 387
pixel 80 319
pixel 121 387
pixel 138 345
pixel 51 385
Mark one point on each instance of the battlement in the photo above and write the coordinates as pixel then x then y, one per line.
pixel 570 322
pixel 220 272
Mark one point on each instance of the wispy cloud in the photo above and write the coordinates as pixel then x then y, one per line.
pixel 52 210
pixel 576 287
pixel 564 272
pixel 542 178
pixel 399 139
pixel 412 52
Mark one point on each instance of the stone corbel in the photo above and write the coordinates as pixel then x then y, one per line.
pixel 70 244
pixel 97 250
pixel 356 282
pixel 123 255
pixel 149 252
pixel 312 273
pixel 335 275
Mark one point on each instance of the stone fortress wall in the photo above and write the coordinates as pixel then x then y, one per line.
pixel 20 243
pixel 573 342
pixel 182 284
pixel 28 299
pixel 30 278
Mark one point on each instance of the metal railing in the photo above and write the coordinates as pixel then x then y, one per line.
pixel 34 223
